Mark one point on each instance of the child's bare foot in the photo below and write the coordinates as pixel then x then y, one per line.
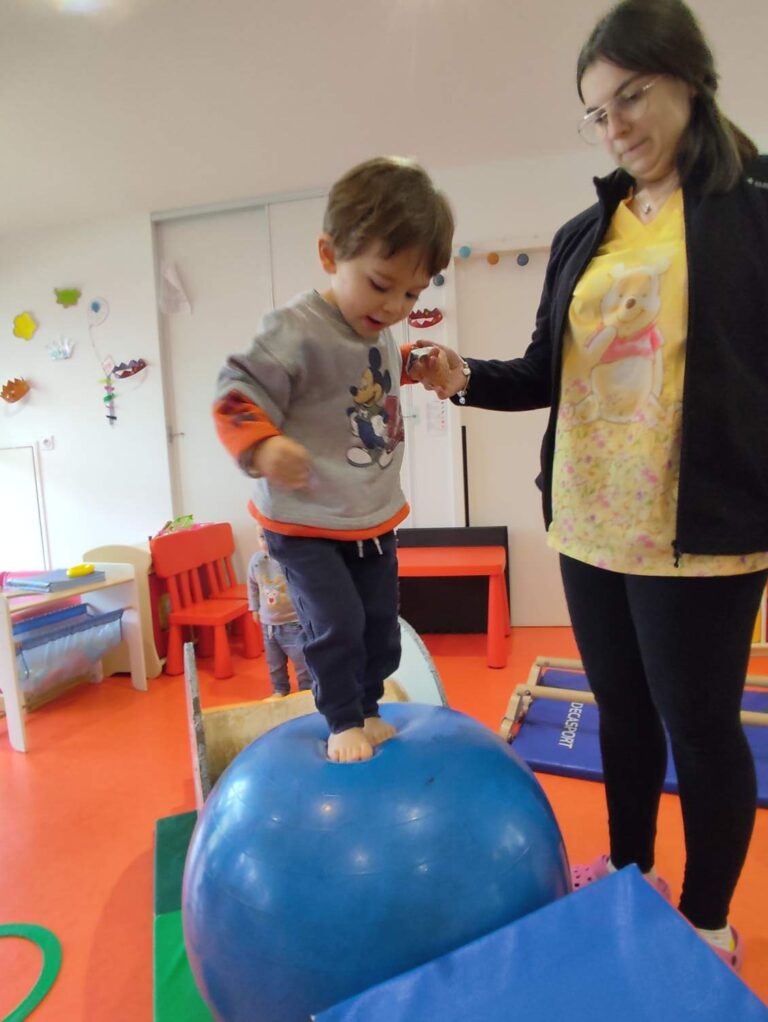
pixel 351 746
pixel 378 730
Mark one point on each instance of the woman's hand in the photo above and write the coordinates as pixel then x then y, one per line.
pixel 438 368
pixel 283 462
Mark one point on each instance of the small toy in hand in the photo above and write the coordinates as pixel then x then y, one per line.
pixel 80 569
pixel 441 368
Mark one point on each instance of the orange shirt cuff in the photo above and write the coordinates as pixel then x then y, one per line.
pixel 241 424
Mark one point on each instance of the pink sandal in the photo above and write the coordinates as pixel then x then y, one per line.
pixel 582 875
pixel 731 958
pixel 586 874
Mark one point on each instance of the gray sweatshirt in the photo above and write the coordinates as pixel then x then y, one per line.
pixel 338 395
pixel 268 591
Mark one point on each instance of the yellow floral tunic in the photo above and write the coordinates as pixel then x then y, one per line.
pixel 617 447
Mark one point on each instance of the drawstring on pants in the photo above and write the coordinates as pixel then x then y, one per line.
pixel 374 540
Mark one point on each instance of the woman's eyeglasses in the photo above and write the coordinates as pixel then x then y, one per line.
pixel 629 105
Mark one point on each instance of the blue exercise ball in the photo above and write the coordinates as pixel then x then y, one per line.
pixel 308 881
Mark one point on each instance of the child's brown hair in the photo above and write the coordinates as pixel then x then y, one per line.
pixel 392 201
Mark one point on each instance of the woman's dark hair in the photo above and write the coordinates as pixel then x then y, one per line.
pixel 663 37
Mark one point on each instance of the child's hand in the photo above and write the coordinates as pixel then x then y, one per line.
pixel 283 462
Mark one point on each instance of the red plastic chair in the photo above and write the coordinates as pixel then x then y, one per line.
pixel 221 578
pixel 222 581
pixel 181 558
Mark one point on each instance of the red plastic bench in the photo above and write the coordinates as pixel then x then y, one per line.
pixel 442 561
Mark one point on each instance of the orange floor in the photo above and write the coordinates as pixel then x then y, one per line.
pixel 77 816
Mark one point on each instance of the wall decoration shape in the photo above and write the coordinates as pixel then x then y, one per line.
pixel 24 326
pixel 124 370
pixel 67 296
pixel 173 298
pixel 14 390
pixel 494 252
pixel 109 391
pixel 61 349
pixel 423 319
pixel 98 312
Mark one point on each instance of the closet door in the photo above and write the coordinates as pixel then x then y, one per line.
pixel 222 260
pixel 294 227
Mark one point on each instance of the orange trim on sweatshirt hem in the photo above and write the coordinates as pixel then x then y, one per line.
pixel 313 532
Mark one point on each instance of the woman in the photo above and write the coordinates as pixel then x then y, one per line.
pixel 651 348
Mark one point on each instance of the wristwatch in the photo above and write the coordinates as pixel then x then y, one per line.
pixel 462 394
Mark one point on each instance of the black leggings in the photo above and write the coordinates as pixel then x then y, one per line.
pixel 674 650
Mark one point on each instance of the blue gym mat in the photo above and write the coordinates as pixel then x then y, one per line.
pixel 615 950
pixel 562 738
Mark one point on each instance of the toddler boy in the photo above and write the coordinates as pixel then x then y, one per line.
pixel 312 412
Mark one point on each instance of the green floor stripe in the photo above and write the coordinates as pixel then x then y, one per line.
pixel 172 836
pixel 176 996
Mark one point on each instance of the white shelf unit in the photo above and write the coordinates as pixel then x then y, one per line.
pixel 117 591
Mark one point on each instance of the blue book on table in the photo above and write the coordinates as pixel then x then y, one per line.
pixel 52 581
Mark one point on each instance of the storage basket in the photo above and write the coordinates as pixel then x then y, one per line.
pixel 52 649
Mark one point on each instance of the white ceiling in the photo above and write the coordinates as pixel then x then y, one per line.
pixel 161 104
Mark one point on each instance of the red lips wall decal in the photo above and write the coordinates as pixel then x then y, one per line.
pixel 422 319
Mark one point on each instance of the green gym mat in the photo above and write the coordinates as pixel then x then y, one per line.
pixel 175 994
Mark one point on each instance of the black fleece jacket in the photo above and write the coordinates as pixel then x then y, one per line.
pixel 723 489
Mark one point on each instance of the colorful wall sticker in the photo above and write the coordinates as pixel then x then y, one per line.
pixel 24 326
pixel 67 296
pixel 14 390
pixel 61 349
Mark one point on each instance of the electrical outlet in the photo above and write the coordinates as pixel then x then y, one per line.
pixel 47 443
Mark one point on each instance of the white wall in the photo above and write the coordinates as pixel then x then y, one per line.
pixel 101 483
pixel 520 198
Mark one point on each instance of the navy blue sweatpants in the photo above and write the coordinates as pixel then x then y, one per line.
pixel 675 651
pixel 345 594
